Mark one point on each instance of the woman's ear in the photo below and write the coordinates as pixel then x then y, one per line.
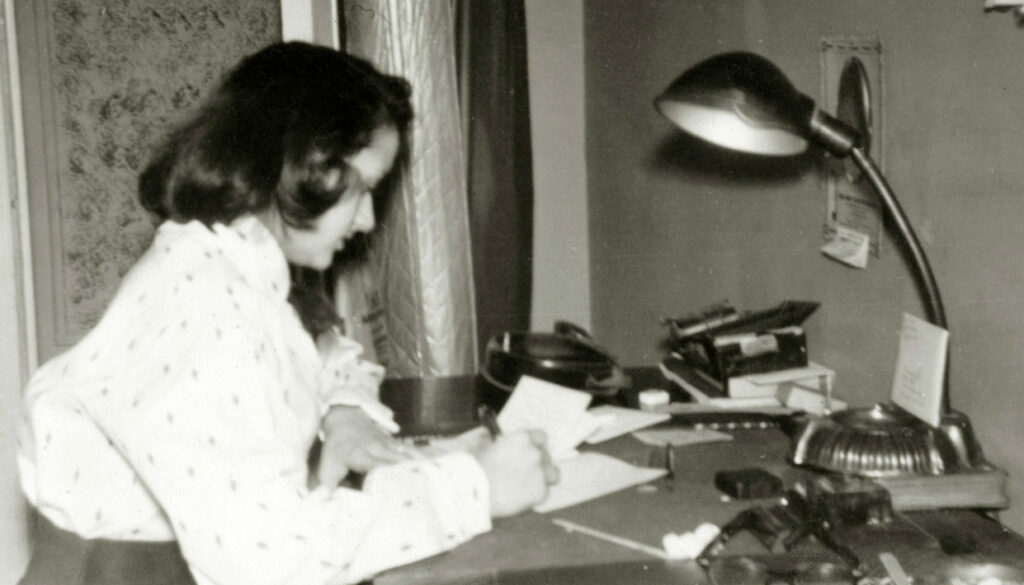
pixel 332 179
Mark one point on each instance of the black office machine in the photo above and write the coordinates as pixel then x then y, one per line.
pixel 568 356
pixel 720 342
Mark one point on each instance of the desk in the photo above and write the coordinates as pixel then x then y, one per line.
pixel 531 549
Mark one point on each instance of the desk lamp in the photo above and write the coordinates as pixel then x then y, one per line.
pixel 741 101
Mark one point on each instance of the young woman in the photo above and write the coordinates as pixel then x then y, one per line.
pixel 170 444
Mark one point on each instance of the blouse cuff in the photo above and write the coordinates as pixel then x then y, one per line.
pixel 376 411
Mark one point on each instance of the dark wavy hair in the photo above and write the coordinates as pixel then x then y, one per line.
pixel 274 131
pixel 271 136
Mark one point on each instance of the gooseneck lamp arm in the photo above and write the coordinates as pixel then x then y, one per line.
pixel 742 101
pixel 842 141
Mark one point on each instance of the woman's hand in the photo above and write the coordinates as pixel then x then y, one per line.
pixel 354 442
pixel 519 470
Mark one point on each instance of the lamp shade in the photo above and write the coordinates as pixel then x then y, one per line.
pixel 740 101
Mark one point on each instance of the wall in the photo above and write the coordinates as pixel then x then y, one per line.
pixel 675 225
pixel 561 273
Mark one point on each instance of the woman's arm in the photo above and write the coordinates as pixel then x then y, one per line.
pixel 216 420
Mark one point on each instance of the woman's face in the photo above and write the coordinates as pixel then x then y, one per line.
pixel 352 214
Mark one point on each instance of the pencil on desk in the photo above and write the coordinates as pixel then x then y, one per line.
pixel 631 544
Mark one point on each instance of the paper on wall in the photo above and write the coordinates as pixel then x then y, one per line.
pixel 849 247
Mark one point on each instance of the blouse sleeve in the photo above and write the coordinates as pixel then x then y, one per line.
pixel 206 424
pixel 349 380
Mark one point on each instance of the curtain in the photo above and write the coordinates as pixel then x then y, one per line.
pixel 422 313
pixel 452 267
pixel 496 122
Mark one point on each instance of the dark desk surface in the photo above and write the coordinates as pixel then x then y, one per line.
pixel 531 549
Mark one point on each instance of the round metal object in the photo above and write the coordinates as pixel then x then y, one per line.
pixel 883 441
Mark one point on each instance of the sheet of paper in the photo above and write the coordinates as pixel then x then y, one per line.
pixel 591 475
pixel 678 437
pixel 558 411
pixel 917 385
pixel 616 421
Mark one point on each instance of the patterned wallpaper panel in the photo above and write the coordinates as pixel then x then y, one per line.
pixel 122 72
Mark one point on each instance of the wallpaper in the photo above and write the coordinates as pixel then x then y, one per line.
pixel 122 72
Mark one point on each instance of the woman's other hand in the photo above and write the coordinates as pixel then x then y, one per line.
pixel 355 443
pixel 519 470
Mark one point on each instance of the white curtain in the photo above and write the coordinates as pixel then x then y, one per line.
pixel 425 326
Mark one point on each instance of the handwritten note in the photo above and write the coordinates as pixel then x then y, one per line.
pixel 917 384
pixel 558 411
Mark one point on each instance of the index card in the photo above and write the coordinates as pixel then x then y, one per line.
pixel 917 385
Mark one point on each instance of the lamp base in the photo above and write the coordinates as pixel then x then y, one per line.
pixel 886 441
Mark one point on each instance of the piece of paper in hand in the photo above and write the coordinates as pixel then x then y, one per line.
pixel 558 411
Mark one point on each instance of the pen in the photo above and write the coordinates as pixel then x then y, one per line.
pixel 490 420
pixel 670 464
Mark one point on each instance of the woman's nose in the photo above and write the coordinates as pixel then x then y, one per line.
pixel 365 219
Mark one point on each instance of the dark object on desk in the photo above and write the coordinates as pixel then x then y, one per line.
pixel 729 344
pixel 748 483
pixel 568 356
pixel 648 572
pixel 432 406
pixel 744 570
pixel 721 357
pixel 846 501
pixel 718 359
pixel 781 527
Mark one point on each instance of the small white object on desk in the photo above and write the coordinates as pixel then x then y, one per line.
pixel 652 398
pixel 689 545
